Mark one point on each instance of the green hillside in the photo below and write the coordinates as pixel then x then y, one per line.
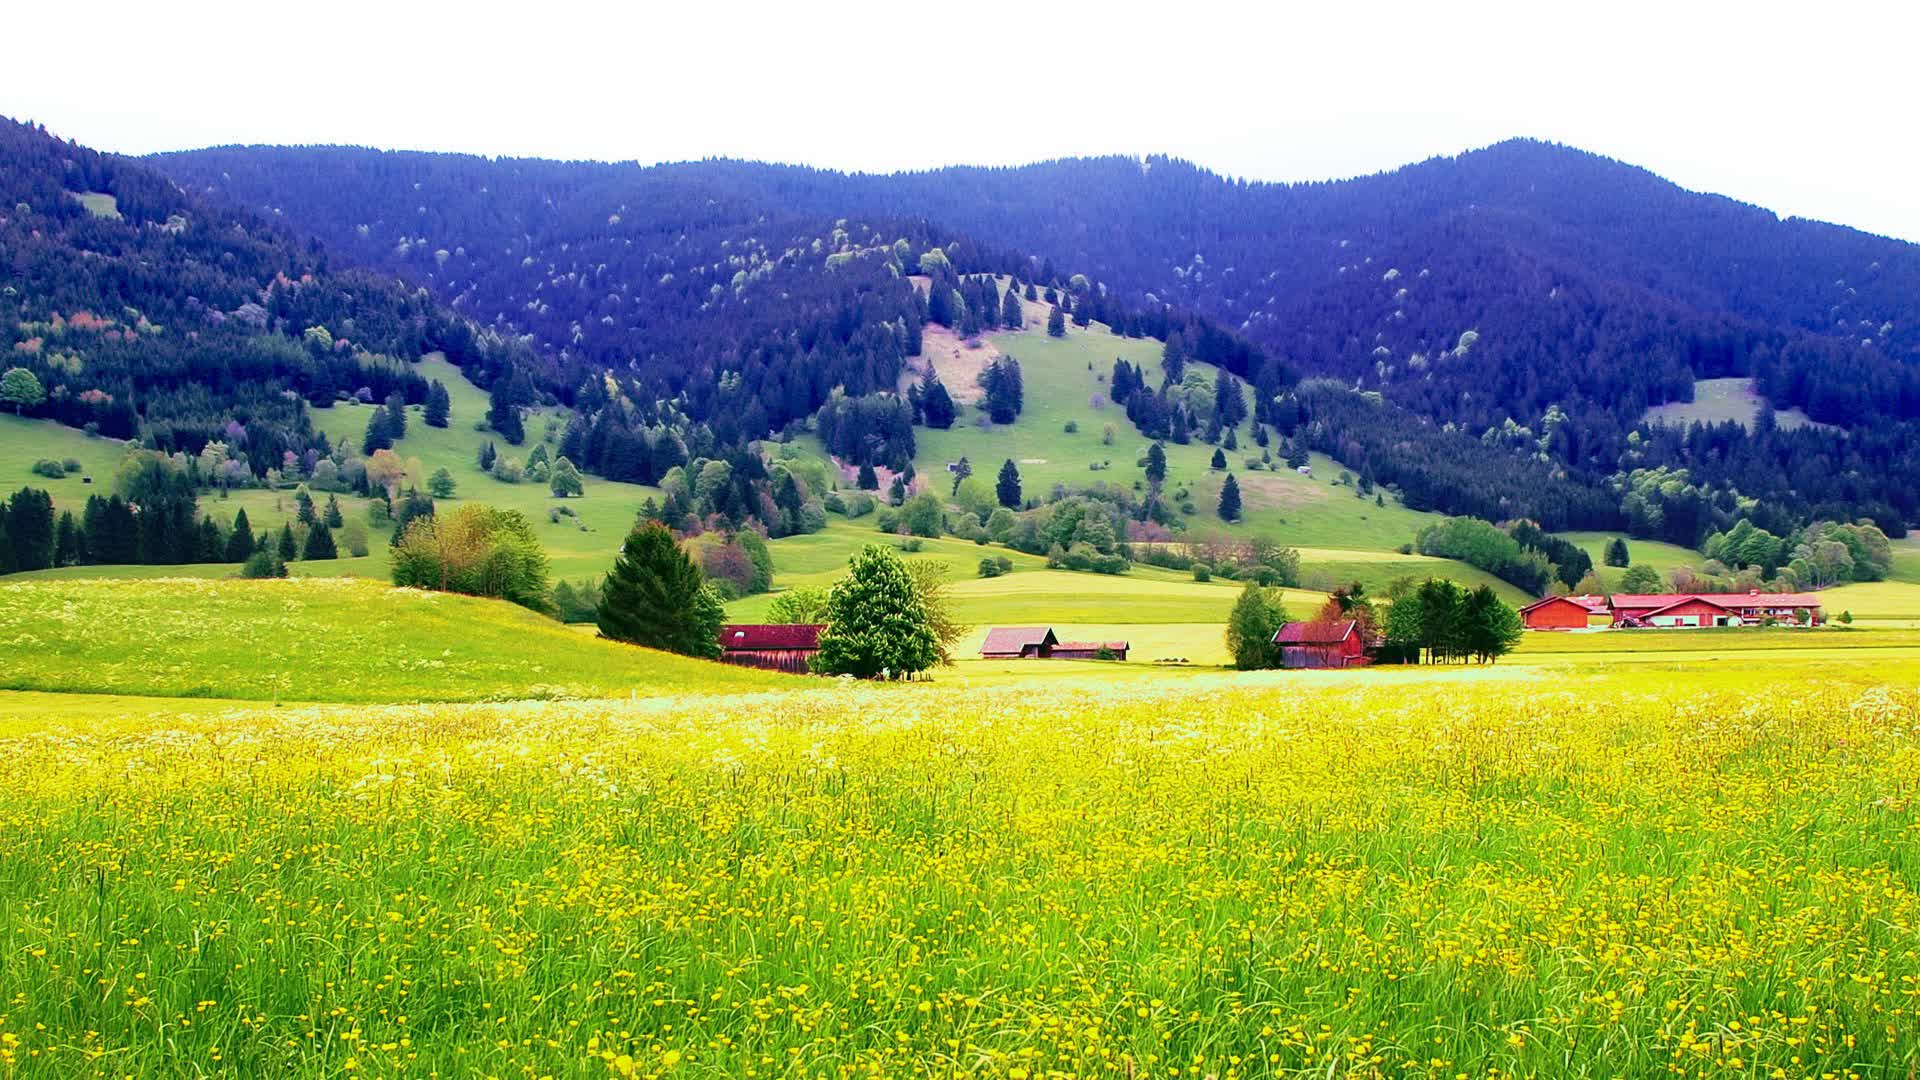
pixel 318 640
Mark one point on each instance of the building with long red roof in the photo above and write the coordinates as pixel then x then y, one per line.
pixel 1674 610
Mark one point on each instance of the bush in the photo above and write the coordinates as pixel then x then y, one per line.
pixel 990 567
pixel 50 469
pixel 912 545
pixel 1073 427
pixel 1201 572
pixel 72 465
pixel 263 563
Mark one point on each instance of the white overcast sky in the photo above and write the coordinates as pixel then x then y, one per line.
pixel 1810 109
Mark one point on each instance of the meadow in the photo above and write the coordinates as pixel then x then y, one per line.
pixel 316 639
pixel 1563 871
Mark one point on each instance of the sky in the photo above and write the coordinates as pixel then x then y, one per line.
pixel 1804 109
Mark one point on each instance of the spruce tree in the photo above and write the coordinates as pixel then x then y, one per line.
pixel 1007 487
pixel 937 407
pixel 240 541
pixel 1156 464
pixel 1011 315
pixel 285 548
pixel 332 517
pixel 1219 458
pixel 320 543
pixel 1230 499
pixel 1616 553
pixel 379 435
pixel 655 596
pixel 30 529
pixel 67 547
pixel 487 456
pixel 868 480
pixel 397 416
pixel 439 405
pixel 1056 323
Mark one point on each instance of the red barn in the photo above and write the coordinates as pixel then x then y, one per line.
pixel 1019 643
pixel 1321 644
pixel 1562 612
pixel 773 646
pixel 1090 650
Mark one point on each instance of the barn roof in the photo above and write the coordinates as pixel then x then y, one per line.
pixel 736 637
pixel 1728 600
pixel 1596 605
pixel 1314 633
pixel 1092 646
pixel 1011 639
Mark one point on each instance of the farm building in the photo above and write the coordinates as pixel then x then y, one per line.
pixel 1674 610
pixel 1018 643
pixel 1566 613
pixel 1321 644
pixel 1090 650
pixel 775 647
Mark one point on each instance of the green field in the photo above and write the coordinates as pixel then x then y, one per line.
pixel 23 442
pixel 1561 867
pixel 317 640
pixel 1716 401
pixel 1655 553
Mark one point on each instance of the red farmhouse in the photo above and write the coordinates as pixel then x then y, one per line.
pixel 776 647
pixel 1321 645
pixel 1674 610
pixel 1039 643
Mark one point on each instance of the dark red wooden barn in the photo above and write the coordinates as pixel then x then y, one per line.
pixel 1321 644
pixel 773 646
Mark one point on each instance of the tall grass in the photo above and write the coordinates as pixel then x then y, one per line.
pixel 1424 874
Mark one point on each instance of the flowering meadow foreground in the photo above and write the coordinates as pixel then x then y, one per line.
pixel 1546 872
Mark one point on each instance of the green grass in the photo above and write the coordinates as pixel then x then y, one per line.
pixel 23 442
pixel 98 203
pixel 1657 554
pixel 1716 401
pixel 317 640
pixel 1505 871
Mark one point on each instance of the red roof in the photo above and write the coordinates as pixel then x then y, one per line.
pixel 1596 605
pixel 1725 600
pixel 1093 646
pixel 1012 639
pixel 745 637
pixel 1314 633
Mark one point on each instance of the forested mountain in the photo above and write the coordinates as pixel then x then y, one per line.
pixel 1529 296
pixel 138 309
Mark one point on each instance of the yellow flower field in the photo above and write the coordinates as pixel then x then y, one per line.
pixel 1602 873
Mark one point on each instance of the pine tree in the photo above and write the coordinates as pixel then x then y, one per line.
pixel 441 484
pixel 67 547
pixel 397 416
pixel 876 623
pixel 1296 455
pixel 487 456
pixel 1616 554
pixel 303 504
pixel 1230 499
pixel 897 493
pixel 30 529
pixel 320 543
pixel 1219 459
pixel 285 548
pixel 655 596
pixel 1007 487
pixel 379 434
pixel 240 541
pixel 1031 293
pixel 868 480
pixel 1056 323
pixel 1173 357
pixel 503 413
pixel 332 515
pixel 961 471
pixel 937 407
pixel 1156 465
pixel 1011 315
pixel 439 405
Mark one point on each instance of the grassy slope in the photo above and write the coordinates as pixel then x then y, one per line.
pixel 319 641
pixel 1661 556
pixel 23 442
pixel 1716 401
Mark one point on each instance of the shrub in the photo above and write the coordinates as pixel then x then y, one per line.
pixel 990 567
pixel 1201 572
pixel 72 465
pixel 1073 427
pixel 263 563
pixel 50 469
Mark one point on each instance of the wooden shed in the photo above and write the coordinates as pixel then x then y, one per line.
pixel 773 646
pixel 1321 644
pixel 1019 643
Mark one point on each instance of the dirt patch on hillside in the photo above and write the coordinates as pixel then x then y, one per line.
pixel 945 353
pixel 1269 491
